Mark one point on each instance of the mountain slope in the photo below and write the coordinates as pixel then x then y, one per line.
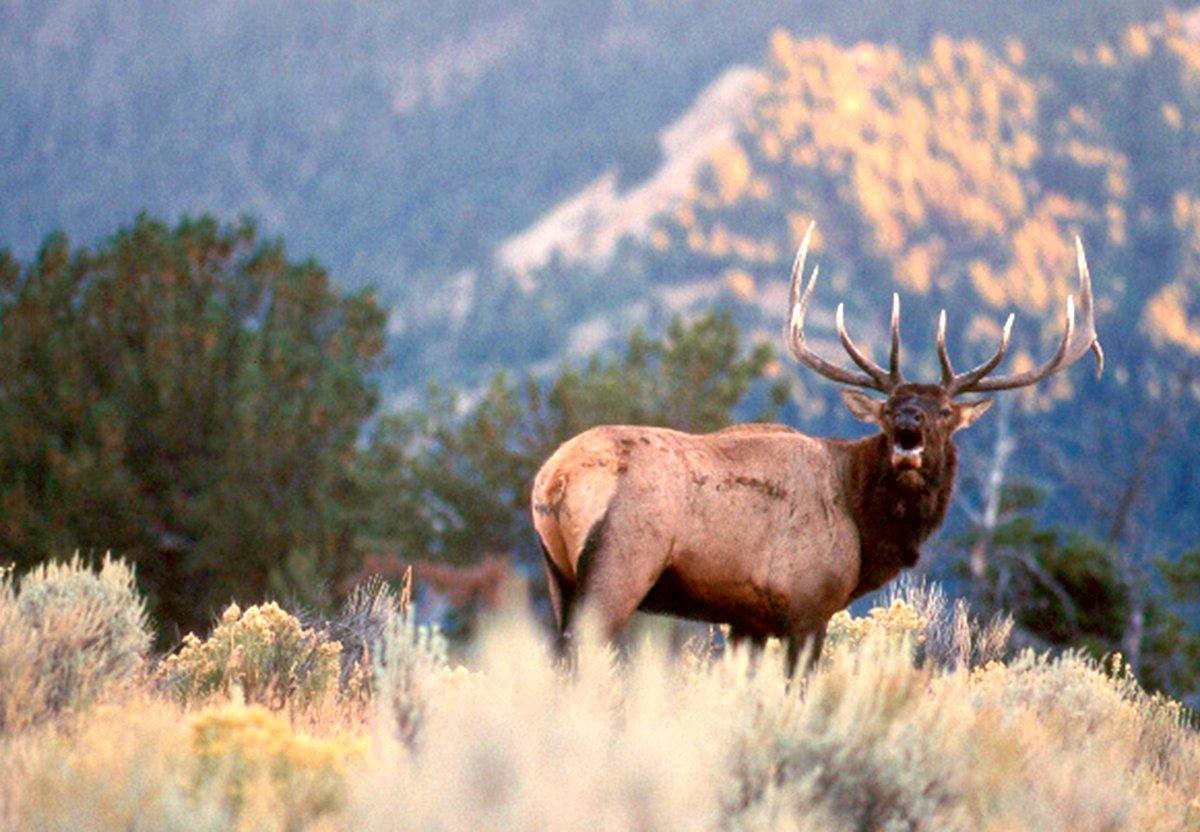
pixel 397 142
pixel 588 226
pixel 957 177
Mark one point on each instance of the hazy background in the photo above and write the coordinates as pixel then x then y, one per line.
pixel 524 183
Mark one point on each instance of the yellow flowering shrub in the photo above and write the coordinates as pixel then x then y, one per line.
pixel 712 740
pixel 263 651
pixel 897 622
pixel 247 747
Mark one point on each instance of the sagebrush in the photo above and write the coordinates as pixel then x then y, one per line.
pixel 913 720
pixel 66 632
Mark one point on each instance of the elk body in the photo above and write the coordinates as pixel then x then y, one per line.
pixel 760 526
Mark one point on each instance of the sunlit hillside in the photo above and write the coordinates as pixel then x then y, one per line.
pixel 959 176
pixel 915 718
pixel 396 142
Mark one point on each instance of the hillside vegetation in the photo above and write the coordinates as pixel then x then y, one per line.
pixel 914 719
pixel 957 175
pixel 395 141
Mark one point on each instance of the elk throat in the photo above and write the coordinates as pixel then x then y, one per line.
pixel 895 508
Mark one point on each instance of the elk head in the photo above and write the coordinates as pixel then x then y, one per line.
pixel 919 419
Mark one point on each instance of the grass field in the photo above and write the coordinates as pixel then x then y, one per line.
pixel 916 718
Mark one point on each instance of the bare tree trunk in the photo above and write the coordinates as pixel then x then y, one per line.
pixel 993 488
pixel 1131 639
pixel 1130 566
pixel 1135 629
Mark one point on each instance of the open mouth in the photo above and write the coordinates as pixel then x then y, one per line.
pixel 906 448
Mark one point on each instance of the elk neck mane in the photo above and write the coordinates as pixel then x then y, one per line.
pixel 894 514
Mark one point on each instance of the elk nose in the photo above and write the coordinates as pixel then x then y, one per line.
pixel 910 418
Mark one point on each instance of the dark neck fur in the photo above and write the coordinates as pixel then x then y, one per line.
pixel 894 512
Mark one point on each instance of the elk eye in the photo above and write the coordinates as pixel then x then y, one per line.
pixel 947 413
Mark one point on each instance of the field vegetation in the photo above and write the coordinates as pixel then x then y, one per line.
pixel 235 423
pixel 231 421
pixel 917 717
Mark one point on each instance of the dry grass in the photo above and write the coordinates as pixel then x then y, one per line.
pixel 911 722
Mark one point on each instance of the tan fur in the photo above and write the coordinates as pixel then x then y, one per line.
pixel 750 521
pixel 760 526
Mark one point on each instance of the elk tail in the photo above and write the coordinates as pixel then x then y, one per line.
pixel 560 590
pixel 564 592
pixel 589 552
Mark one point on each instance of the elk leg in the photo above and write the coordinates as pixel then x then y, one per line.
pixel 808 640
pixel 614 579
pixel 739 636
pixel 613 593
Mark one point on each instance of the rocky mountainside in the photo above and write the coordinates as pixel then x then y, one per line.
pixel 588 226
pixel 527 181
pixel 957 176
pixel 397 142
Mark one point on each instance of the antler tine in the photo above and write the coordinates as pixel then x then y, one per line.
pixel 799 306
pixel 1098 351
pixel 963 381
pixel 943 353
pixel 1056 363
pixel 895 377
pixel 1074 343
pixel 798 274
pixel 870 367
pixel 1086 302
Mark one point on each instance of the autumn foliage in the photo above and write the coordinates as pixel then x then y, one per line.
pixel 961 176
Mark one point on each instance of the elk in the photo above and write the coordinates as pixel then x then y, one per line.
pixel 759 526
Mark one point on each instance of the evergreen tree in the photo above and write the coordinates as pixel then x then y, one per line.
pixel 187 398
pixel 451 482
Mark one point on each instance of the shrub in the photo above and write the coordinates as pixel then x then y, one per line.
pixel 881 736
pixel 66 632
pixel 361 627
pixel 149 766
pixel 867 745
pixel 948 640
pixel 243 748
pixel 118 767
pixel 899 622
pixel 409 654
pixel 263 651
pixel 900 727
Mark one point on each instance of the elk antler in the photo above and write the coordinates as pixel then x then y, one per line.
pixel 873 376
pixel 1075 342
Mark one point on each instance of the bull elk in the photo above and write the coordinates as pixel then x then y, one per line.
pixel 760 526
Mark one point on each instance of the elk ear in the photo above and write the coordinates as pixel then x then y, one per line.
pixel 864 407
pixel 969 411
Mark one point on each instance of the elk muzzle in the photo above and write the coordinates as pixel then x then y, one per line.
pixel 908 439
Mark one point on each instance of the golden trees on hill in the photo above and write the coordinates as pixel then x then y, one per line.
pixel 932 160
pixel 967 171
pixel 1154 75
pixel 1172 314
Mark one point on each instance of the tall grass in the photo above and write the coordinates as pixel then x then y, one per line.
pixel 911 721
